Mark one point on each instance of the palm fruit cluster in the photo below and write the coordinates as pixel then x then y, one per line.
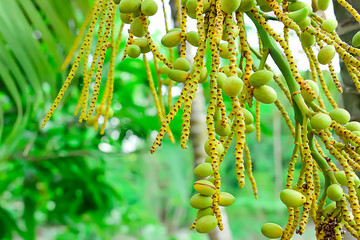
pixel 326 142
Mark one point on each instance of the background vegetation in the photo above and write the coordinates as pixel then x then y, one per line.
pixel 68 182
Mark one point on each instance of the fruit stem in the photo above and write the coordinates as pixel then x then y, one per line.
pixel 270 44
pixel 263 59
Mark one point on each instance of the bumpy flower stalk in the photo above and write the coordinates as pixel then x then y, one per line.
pixel 249 170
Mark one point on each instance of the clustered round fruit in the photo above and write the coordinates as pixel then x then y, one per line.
pixel 238 80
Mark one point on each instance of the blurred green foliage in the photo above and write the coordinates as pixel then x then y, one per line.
pixel 67 182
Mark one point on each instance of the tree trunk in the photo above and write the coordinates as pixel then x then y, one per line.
pixel 348 26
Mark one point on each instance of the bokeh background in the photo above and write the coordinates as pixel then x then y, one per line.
pixel 67 181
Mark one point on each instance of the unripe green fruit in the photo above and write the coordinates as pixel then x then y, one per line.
pixel 116 1
pixel 203 74
pixel 320 121
pixel 271 230
pixel 206 224
pixel 224 50
pixel 90 122
pixel 292 198
pixel 299 15
pixel 208 160
pixel 265 8
pixel 305 23
pixel 232 86
pixel 246 5
pixel 163 70
pixel 219 147
pixel 223 130
pixel 249 118
pixel 341 178
pixel 166 81
pixel 230 6
pixel 226 70
pixel 299 5
pixel 340 115
pixel 204 187
pixel 353 126
pixel 334 192
pixel 265 94
pixel 136 14
pixel 217 114
pixel 178 75
pixel 191 6
pixel 203 170
pixel 323 4
pixel 149 7
pixel 226 199
pixel 125 17
pixel 306 95
pixel 356 40
pixel 204 212
pixel 182 64
pixel 199 201
pixel 133 51
pixel 129 6
pixel 172 38
pixel 191 14
pixel 329 209
pixel 211 179
pixel 358 193
pixel 137 27
pixel 326 54
pixel 193 38
pixel 221 77
pixel 260 78
pixel 143 44
pixel 307 40
pixel 249 128
pixel 330 25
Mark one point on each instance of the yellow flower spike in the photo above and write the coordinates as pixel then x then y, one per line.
pixel 80 36
pixel 249 62
pixel 294 156
pixel 322 80
pixel 295 222
pixel 193 225
pixel 350 9
pixel 249 170
pixel 286 235
pixel 219 19
pixel 288 22
pixel 317 185
pixel 240 141
pixel 328 160
pixel 351 229
pixel 75 66
pixel 351 224
pixel 345 134
pixel 286 117
pixel 89 73
pixel 111 14
pixel 129 41
pixel 231 44
pixel 220 104
pixel 354 202
pixel 257 120
pixel 183 30
pixel 152 45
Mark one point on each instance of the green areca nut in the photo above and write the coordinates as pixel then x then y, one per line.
pixel 204 212
pixel 226 199
pixel 223 130
pixel 177 75
pixel 292 198
pixel 329 209
pixel 193 38
pixel 307 39
pixel 204 187
pixel 206 224
pixel 203 170
pixel 334 192
pixel 326 54
pixel 306 95
pixel 249 128
pixel 149 7
pixel 265 94
pixel 129 6
pixel 133 51
pixel 356 40
pixel 323 4
pixel 249 118
pixel 352 126
pixel 219 147
pixel 199 201
pixel 340 115
pixel 182 64
pixel 272 230
pixel 230 6
pixel 232 86
pixel 260 78
pixel 320 121
pixel 330 24
pixel 172 38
